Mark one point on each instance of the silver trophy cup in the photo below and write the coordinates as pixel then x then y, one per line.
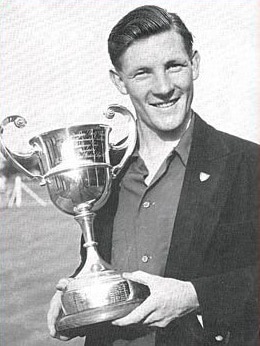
pixel 75 165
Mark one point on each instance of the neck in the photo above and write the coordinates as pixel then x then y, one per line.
pixel 152 142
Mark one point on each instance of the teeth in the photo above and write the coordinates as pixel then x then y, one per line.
pixel 164 105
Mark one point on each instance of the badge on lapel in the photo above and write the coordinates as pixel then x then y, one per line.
pixel 204 176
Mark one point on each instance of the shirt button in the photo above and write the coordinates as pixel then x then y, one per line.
pixel 219 338
pixel 146 204
pixel 145 259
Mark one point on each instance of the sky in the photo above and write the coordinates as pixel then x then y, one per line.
pixel 54 62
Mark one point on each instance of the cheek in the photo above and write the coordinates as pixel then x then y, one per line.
pixel 183 81
pixel 137 93
pixel 138 89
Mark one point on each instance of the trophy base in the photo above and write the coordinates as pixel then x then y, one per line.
pixel 96 298
pixel 77 324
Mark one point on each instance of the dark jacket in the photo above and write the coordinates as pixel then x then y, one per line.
pixel 214 241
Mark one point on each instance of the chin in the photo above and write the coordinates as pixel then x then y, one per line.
pixel 171 126
pixel 166 128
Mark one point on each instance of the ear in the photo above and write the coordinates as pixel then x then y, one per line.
pixel 195 65
pixel 118 81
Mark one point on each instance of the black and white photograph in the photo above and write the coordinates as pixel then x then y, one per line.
pixel 129 172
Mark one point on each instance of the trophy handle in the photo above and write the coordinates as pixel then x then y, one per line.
pixel 19 122
pixel 130 142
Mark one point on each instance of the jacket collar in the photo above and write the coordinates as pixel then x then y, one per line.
pixel 200 201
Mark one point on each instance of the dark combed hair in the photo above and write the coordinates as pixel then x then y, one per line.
pixel 143 22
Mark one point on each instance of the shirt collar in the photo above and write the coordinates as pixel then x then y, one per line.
pixel 182 148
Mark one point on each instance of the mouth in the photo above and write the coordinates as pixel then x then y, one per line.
pixel 166 104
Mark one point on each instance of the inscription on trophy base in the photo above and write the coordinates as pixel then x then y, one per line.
pixel 86 303
pixel 67 324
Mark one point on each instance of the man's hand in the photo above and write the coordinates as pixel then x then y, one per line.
pixel 55 310
pixel 169 299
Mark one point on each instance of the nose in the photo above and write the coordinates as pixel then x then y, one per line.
pixel 163 86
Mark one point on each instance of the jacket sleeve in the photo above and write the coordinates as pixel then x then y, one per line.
pixel 228 289
pixel 228 299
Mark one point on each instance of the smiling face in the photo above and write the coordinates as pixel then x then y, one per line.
pixel 158 75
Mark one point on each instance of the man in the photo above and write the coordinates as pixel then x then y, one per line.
pixel 184 211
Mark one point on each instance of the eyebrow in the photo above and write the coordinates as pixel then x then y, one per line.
pixel 166 64
pixel 133 72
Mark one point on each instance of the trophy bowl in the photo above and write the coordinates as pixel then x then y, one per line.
pixel 75 165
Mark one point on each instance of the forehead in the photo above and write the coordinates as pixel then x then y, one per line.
pixel 157 48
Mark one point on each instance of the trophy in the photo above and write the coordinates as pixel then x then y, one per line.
pixel 75 165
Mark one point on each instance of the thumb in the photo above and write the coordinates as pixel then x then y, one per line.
pixel 62 284
pixel 140 277
pixel 54 312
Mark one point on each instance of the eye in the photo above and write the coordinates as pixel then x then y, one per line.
pixel 141 73
pixel 175 66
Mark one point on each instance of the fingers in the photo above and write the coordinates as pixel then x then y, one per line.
pixel 53 313
pixel 137 315
pixel 61 337
pixel 52 316
pixel 140 276
pixel 153 320
pixel 147 307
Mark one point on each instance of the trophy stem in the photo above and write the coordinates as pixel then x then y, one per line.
pixel 94 263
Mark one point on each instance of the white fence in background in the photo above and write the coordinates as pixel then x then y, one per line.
pixel 14 196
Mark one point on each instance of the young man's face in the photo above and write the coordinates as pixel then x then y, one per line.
pixel 158 75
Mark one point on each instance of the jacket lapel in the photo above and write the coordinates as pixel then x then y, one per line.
pixel 204 192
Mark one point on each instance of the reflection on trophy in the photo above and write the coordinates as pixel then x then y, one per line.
pixel 75 165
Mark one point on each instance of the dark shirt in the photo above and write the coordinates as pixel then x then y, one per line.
pixel 145 217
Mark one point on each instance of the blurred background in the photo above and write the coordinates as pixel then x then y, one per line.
pixel 54 71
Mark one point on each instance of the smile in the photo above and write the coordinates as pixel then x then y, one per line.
pixel 165 104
